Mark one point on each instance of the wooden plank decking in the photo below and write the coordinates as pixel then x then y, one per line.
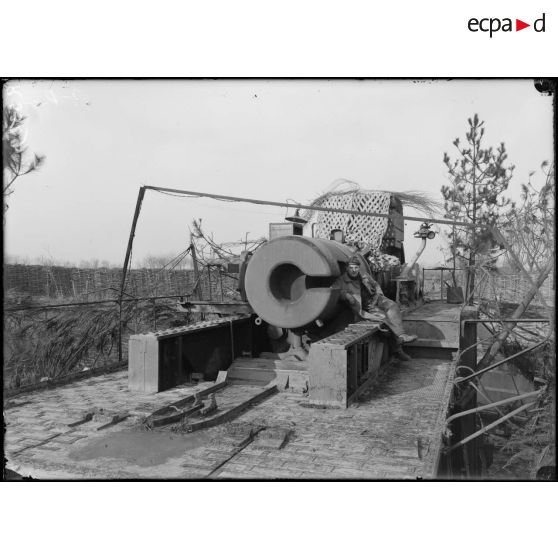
pixel 394 431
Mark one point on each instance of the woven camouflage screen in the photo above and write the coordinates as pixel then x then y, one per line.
pixel 362 228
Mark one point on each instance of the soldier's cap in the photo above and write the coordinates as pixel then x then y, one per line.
pixel 354 261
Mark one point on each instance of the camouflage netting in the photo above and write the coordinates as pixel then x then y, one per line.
pixel 358 228
pixel 364 229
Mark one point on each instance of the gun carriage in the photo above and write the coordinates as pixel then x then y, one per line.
pixel 292 309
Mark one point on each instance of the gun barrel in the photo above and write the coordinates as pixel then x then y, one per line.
pixel 289 280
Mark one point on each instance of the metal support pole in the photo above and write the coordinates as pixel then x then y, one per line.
pixel 416 256
pixel 220 197
pixel 197 278
pixel 468 337
pixel 139 201
pixel 468 360
pixel 197 287
pixel 232 339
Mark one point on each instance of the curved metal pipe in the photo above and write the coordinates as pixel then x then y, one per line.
pixel 418 254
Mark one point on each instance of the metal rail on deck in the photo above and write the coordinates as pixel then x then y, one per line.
pixel 432 282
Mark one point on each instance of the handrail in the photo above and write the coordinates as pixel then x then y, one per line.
pixel 480 390
pixel 497 333
pixel 495 404
pixel 504 418
pixel 479 343
pixel 500 362
pixel 489 427
pixel 506 320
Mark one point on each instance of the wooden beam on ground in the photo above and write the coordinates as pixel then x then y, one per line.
pixel 182 408
pixel 232 413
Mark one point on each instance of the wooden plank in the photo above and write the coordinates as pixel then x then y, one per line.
pixel 241 373
pixel 177 406
pixel 350 336
pixel 263 363
pixel 352 372
pixel 295 379
pixel 153 422
pixel 370 353
pixel 434 343
pixel 180 356
pixel 231 413
pixel 362 388
pixel 255 383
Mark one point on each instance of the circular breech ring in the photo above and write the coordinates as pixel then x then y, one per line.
pixel 289 280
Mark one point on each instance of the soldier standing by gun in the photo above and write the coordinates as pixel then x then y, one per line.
pixel 363 295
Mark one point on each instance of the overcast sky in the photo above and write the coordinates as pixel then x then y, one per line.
pixel 276 140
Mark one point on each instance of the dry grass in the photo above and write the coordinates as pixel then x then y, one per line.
pixel 528 446
pixel 41 344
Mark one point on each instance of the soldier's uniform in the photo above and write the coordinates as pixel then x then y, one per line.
pixel 364 295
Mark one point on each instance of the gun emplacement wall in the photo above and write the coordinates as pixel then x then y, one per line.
pixel 164 359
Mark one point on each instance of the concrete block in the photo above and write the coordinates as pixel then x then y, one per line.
pixel 221 376
pixel 143 363
pixel 327 375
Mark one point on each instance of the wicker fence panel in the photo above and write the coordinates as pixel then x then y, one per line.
pixel 490 286
pixel 101 284
pixel 513 287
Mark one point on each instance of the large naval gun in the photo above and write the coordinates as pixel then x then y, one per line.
pixel 290 283
pixel 292 330
pixel 289 280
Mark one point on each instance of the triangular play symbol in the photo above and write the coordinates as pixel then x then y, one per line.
pixel 519 25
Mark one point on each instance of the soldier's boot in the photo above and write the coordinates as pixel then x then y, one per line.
pixel 405 338
pixel 402 355
pixel 399 352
